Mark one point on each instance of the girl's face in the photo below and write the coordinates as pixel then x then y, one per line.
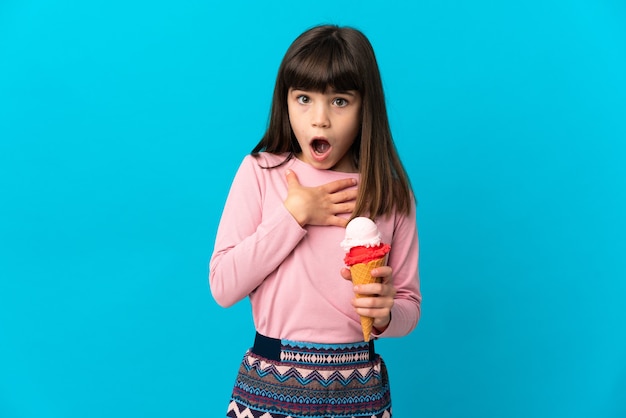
pixel 325 125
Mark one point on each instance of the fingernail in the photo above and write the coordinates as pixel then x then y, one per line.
pixel 288 171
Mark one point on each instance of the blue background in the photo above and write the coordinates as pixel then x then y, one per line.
pixel 122 124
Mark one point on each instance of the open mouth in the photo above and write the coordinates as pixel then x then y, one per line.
pixel 320 146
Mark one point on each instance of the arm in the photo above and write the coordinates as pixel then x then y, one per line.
pixel 395 303
pixel 260 227
pixel 406 310
pixel 248 245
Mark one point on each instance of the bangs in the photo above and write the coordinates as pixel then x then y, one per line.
pixel 323 65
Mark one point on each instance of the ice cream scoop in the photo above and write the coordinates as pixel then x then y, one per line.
pixel 360 231
pixel 364 252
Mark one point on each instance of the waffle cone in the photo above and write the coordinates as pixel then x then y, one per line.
pixel 361 274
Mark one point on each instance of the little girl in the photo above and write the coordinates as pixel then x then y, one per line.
pixel 327 156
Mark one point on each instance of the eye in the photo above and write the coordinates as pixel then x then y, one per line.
pixel 302 99
pixel 340 102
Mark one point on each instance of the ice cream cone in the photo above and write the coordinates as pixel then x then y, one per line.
pixel 361 274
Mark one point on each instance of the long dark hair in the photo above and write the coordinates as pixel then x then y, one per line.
pixel 343 58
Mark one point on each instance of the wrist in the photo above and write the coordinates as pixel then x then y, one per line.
pixel 382 327
pixel 298 217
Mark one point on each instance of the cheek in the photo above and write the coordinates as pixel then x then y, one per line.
pixel 291 111
pixel 356 124
pixel 295 126
pixel 294 118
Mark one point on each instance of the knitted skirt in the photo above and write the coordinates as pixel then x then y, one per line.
pixel 290 379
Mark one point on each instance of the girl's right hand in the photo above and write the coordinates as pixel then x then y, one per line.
pixel 320 205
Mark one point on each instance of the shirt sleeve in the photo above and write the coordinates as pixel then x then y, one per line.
pixel 249 244
pixel 403 259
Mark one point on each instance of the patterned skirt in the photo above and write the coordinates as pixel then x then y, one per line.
pixel 289 379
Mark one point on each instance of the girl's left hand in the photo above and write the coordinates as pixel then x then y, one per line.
pixel 376 298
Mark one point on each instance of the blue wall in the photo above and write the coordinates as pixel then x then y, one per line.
pixel 122 124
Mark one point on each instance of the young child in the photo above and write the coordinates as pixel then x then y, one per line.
pixel 327 156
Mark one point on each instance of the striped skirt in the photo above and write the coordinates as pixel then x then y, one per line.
pixel 289 379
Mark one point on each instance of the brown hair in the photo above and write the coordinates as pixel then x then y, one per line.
pixel 343 58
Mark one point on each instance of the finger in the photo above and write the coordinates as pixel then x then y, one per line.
pixel 373 312
pixel 344 208
pixel 292 178
pixel 383 272
pixel 345 273
pixel 344 196
pixel 366 303
pixel 337 185
pixel 337 221
pixel 375 290
pixel 371 289
pixel 372 304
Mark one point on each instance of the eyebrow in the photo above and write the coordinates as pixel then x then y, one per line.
pixel 346 92
pixel 350 93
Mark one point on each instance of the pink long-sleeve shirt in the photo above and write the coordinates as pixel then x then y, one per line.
pixel 291 273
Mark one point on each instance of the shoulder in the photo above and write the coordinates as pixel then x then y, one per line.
pixel 255 163
pixel 260 167
pixel 267 159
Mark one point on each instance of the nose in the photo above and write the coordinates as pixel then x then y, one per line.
pixel 319 116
